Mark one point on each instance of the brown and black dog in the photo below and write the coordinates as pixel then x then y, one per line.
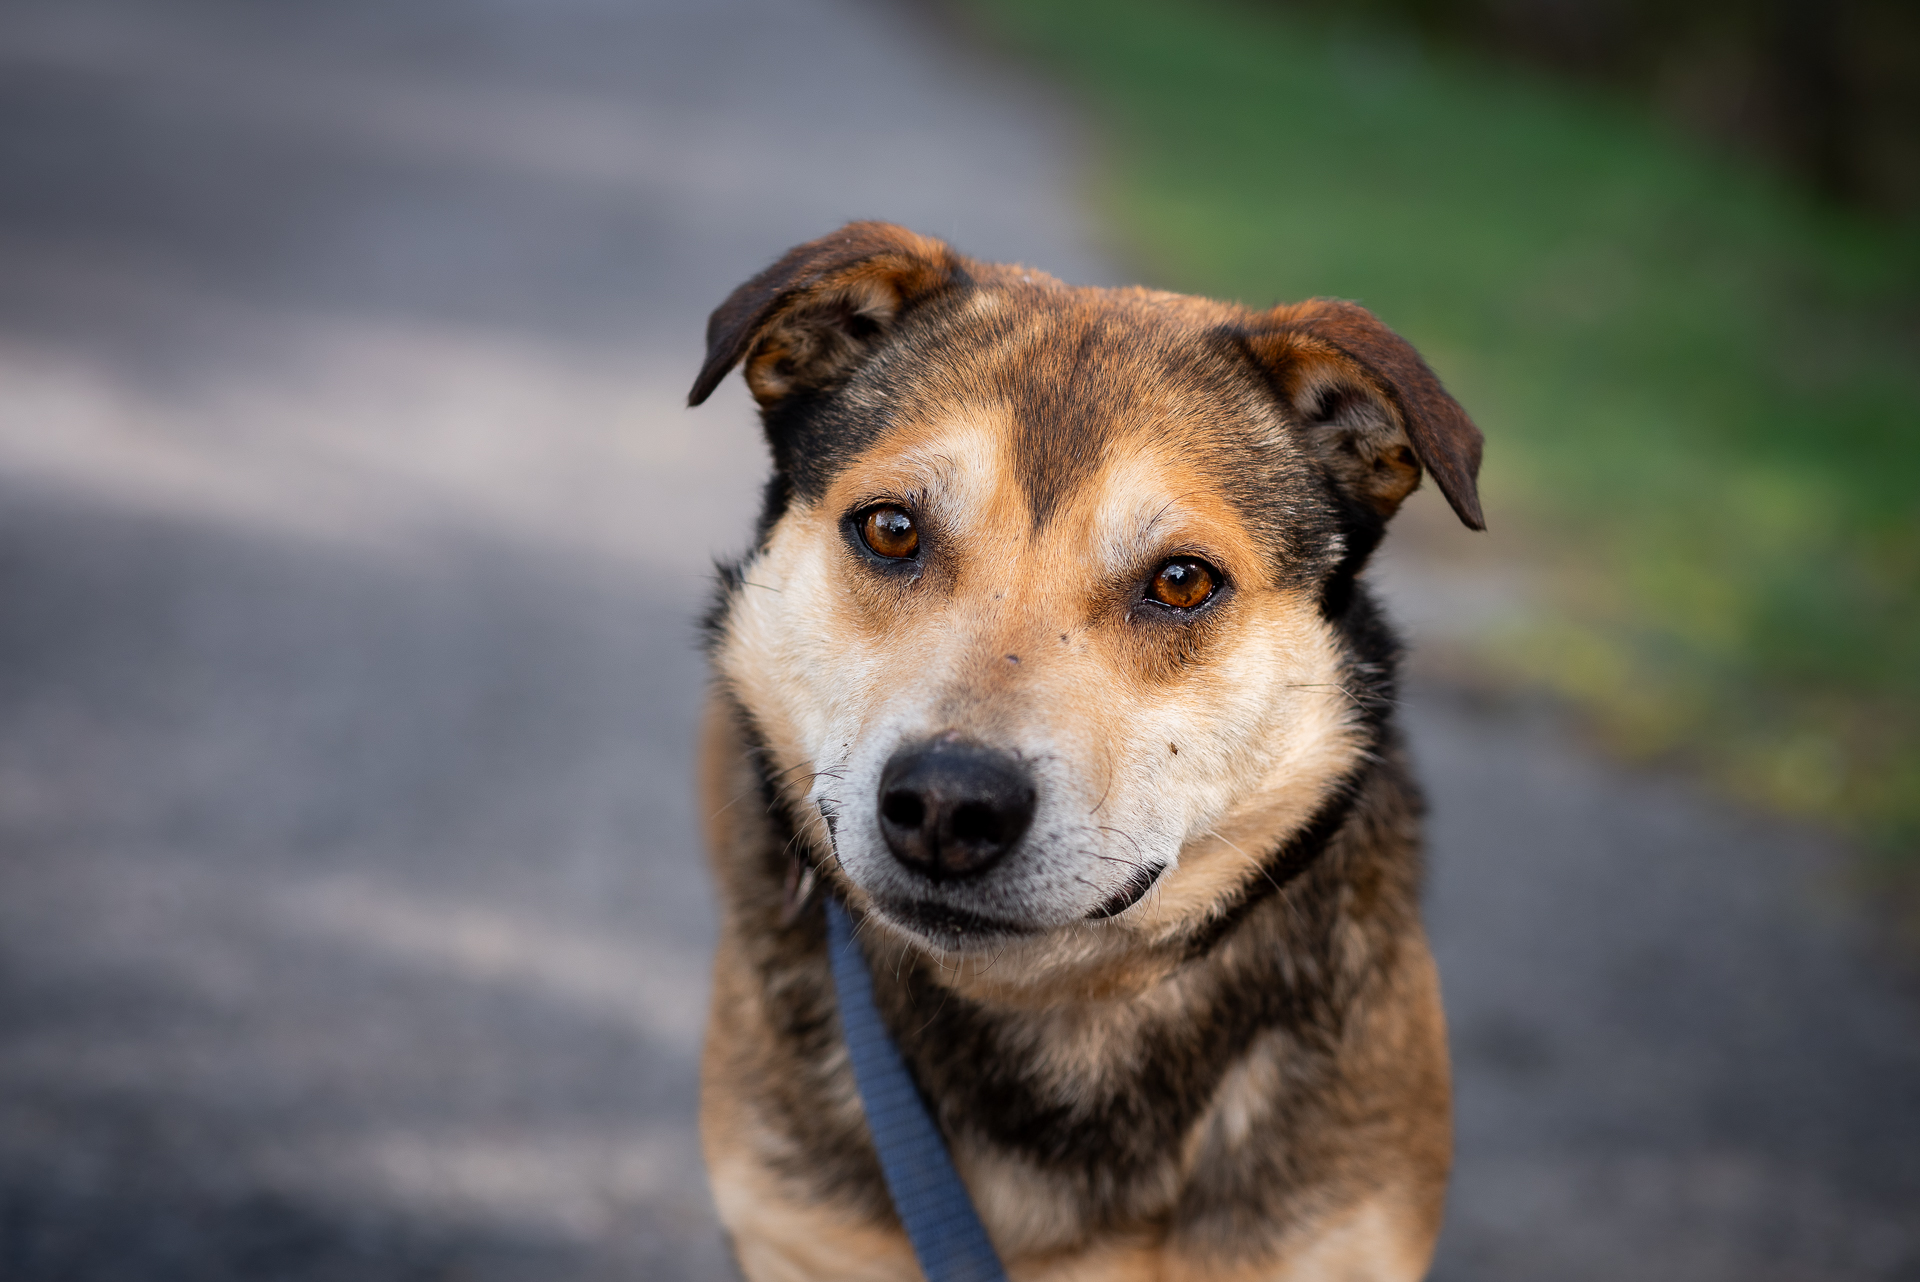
pixel 1052 661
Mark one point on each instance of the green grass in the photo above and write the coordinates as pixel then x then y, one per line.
pixel 1701 393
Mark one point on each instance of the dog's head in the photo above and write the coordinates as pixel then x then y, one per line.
pixel 1051 631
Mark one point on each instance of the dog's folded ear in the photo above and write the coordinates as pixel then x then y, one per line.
pixel 809 320
pixel 1371 409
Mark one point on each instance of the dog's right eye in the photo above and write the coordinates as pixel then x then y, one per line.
pixel 890 532
pixel 1184 583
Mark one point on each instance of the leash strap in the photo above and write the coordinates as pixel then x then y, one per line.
pixel 932 1203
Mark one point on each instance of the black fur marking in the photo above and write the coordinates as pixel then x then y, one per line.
pixel 728 578
pixel 1361 530
pixel 1062 423
pixel 775 498
pixel 814 434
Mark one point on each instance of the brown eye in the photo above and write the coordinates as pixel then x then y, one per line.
pixel 890 532
pixel 1184 584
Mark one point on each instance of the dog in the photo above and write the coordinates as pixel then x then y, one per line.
pixel 1052 661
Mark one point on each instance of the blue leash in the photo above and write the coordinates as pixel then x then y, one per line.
pixel 947 1236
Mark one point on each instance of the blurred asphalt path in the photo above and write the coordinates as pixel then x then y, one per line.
pixel 352 918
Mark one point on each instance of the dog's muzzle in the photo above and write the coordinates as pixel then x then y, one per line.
pixel 951 809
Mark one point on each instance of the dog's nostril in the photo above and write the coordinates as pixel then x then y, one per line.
pixel 904 808
pixel 972 823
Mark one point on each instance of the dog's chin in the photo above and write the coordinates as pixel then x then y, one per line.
pixel 949 929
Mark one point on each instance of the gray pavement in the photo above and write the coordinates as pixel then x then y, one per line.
pixel 352 918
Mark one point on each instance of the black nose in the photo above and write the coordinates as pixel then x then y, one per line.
pixel 951 809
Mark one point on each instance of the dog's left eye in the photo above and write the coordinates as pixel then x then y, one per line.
pixel 888 531
pixel 1184 583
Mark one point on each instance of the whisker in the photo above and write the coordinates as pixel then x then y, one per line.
pixel 1260 864
pixel 1362 702
pixel 1103 795
pixel 945 993
pixel 744 793
pixel 900 962
pixel 1134 841
pixel 995 961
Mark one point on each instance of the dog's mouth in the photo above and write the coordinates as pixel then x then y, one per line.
pixel 956 928
pixel 947 926
pixel 1142 880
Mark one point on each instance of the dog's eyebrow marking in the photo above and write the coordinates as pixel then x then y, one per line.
pixel 953 468
pixel 1132 516
pixel 1153 522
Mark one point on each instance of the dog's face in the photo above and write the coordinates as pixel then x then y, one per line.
pixel 1052 624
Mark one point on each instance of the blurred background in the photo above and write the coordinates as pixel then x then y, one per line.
pixel 353 921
